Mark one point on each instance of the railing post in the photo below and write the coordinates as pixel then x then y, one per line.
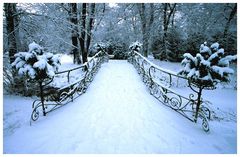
pixel 68 75
pixel 170 77
pixel 198 103
pixel 42 98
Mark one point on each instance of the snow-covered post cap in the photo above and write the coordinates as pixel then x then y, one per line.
pixel 208 67
pixel 35 64
pixel 135 46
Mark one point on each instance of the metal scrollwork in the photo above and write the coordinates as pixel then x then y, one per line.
pixel 53 97
pixel 159 81
pixel 35 112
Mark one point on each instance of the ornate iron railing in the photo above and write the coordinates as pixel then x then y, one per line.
pixel 161 83
pixel 52 97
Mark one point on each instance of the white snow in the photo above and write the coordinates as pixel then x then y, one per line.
pixel 20 64
pixel 40 64
pixel 213 56
pixel 189 56
pixel 50 70
pixel 31 72
pixel 222 70
pixel 221 51
pixel 207 77
pixel 205 49
pixel 16 113
pixel 49 55
pixel 205 62
pixel 66 62
pixel 215 46
pixel 28 56
pixel 226 60
pixel 34 46
pixel 191 73
pixel 117 115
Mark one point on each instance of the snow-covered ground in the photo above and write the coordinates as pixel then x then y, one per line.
pixel 117 115
pixel 66 62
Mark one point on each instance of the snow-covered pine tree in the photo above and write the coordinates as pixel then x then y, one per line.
pixel 208 67
pixel 35 64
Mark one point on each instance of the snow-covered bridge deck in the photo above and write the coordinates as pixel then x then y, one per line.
pixel 116 115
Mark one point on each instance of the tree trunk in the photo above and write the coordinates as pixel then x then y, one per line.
pixel 90 27
pixel 141 9
pixel 166 19
pixel 16 32
pixel 151 20
pixel 173 16
pixel 83 29
pixel 10 11
pixel 164 53
pixel 74 22
pixel 231 16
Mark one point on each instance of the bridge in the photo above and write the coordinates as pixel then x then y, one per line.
pixel 115 107
pixel 159 82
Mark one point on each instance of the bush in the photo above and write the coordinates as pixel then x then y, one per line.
pixel 116 48
pixel 98 47
pixel 174 46
pixel 209 66
pixel 192 43
pixel 35 65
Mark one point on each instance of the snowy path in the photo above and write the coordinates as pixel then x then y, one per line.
pixel 118 115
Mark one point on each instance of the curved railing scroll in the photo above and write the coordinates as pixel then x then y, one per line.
pixel 161 84
pixel 53 97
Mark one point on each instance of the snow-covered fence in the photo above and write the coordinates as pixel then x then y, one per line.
pixel 55 94
pixel 159 81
